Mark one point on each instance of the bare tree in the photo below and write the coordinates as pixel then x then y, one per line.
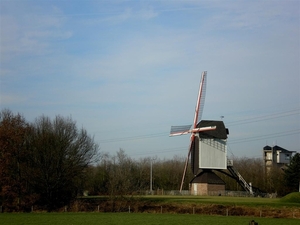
pixel 120 170
pixel 59 156
pixel 13 156
pixel 98 177
pixel 168 174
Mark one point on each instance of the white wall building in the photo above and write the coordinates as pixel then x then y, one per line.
pixel 276 156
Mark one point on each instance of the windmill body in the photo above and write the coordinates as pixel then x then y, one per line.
pixel 208 153
pixel 209 150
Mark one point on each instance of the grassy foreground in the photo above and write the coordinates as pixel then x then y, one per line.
pixel 132 219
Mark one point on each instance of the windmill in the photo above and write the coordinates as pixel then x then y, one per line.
pixel 208 151
pixel 193 129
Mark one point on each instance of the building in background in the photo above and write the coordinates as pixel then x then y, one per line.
pixel 276 156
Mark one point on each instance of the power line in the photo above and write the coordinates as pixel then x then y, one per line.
pixel 263 118
pixel 231 142
pixel 183 148
pixel 145 136
pixel 261 137
pixel 161 151
pixel 233 123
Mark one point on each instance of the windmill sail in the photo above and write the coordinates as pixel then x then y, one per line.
pixel 202 93
pixel 200 99
pixel 180 130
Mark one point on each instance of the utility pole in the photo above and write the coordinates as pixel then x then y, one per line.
pixel 151 182
pixel 151 176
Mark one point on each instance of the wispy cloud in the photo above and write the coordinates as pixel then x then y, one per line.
pixel 115 16
pixel 135 66
pixel 30 34
pixel 12 99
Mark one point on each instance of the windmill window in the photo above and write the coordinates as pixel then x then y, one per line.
pixel 215 143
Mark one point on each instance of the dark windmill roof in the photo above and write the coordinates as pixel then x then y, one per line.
pixel 221 132
pixel 277 148
pixel 207 176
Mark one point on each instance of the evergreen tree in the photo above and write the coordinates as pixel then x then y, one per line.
pixel 292 174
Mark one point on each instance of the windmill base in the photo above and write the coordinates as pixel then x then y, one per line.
pixel 207 183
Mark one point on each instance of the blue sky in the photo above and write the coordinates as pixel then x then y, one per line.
pixel 128 70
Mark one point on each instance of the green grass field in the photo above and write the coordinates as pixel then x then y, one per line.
pixel 224 200
pixel 290 203
pixel 132 219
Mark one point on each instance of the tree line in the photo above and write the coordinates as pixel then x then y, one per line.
pixel 48 163
pixel 121 175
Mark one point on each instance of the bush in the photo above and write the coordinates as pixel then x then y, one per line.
pixel 293 197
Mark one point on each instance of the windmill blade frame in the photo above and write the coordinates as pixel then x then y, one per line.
pixel 201 99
